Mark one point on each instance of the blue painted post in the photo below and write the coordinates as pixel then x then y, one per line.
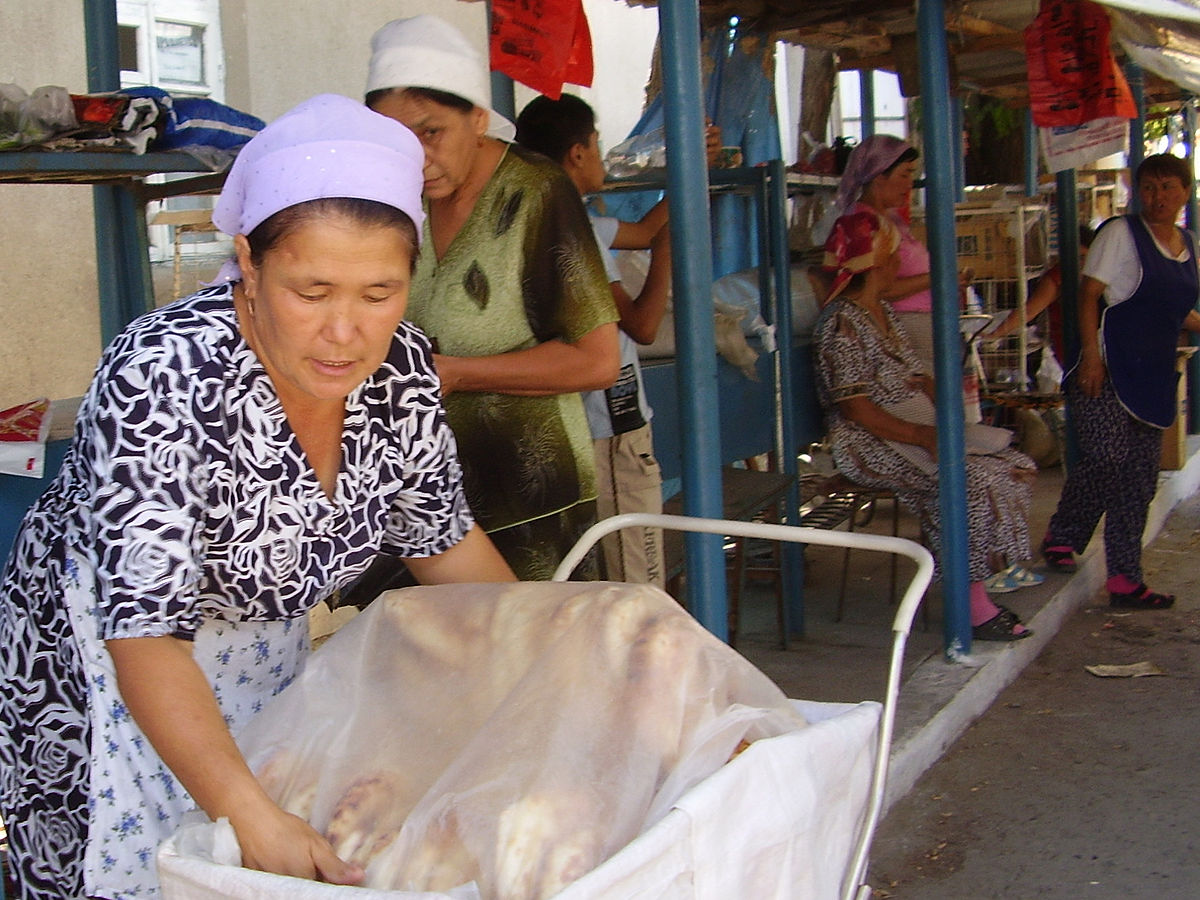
pixel 956 141
pixel 866 95
pixel 937 122
pixel 1067 207
pixel 1137 129
pixel 793 554
pixel 1192 211
pixel 122 264
pixel 504 99
pixel 691 240
pixel 1031 155
pixel 1193 221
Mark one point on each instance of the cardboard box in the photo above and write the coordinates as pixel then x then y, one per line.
pixel 987 239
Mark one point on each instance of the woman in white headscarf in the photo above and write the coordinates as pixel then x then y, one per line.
pixel 512 290
pixel 241 454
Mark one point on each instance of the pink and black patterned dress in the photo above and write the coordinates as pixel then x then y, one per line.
pixel 856 359
pixel 186 507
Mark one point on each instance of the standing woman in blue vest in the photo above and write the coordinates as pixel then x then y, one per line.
pixel 1121 392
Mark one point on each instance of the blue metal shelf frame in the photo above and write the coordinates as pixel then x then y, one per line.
pixel 768 185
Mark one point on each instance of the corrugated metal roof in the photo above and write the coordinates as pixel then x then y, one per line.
pixel 985 37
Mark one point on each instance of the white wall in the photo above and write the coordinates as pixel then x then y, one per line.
pixel 49 316
pixel 278 52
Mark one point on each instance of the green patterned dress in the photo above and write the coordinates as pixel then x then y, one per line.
pixel 523 270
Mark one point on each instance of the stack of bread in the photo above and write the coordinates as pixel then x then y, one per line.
pixel 510 736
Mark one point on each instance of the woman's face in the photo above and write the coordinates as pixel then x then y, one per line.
pixel 1162 198
pixel 323 305
pixel 451 138
pixel 891 189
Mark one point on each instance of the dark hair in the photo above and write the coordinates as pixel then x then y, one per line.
pixel 1164 165
pixel 909 155
pixel 441 98
pixel 365 213
pixel 1087 234
pixel 553 127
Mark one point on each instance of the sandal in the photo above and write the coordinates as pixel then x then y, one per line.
pixel 1002 583
pixel 1059 557
pixel 1012 579
pixel 1141 597
pixel 1000 628
pixel 1024 577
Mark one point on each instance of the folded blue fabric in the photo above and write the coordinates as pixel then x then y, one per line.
pixel 198 121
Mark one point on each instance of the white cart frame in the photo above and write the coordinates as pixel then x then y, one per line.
pixel 854 886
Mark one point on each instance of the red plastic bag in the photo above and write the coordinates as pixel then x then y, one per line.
pixel 1073 76
pixel 542 43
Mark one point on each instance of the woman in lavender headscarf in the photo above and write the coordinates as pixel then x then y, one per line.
pixel 241 454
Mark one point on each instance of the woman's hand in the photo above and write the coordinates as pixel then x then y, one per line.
pixel 1090 375
pixel 712 143
pixel 274 841
pixel 171 701
pixel 444 366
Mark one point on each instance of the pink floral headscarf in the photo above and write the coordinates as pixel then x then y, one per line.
pixel 874 156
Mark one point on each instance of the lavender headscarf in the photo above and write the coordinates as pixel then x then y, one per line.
pixel 328 146
pixel 874 156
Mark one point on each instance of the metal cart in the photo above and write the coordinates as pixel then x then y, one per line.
pixel 854 886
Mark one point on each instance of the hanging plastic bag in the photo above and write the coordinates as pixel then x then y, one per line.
pixel 637 154
pixel 1073 75
pixel 1050 372
pixel 542 45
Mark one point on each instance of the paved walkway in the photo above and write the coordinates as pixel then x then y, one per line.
pixel 1072 785
pixel 848 660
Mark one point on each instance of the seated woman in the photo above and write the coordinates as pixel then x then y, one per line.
pixel 878 399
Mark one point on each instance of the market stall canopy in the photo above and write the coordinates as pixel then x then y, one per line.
pixel 986 42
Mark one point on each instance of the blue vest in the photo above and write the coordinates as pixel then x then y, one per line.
pixel 1140 334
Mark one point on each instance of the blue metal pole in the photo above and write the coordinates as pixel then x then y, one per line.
pixel 691 240
pixel 1031 155
pixel 1193 221
pixel 793 554
pixel 1137 129
pixel 122 265
pixel 937 121
pixel 956 141
pixel 866 94
pixel 1067 208
pixel 503 96
pixel 1192 210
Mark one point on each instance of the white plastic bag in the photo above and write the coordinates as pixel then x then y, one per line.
pixel 514 736
pixel 1050 372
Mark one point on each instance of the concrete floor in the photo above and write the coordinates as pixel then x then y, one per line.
pixel 1071 785
pixel 848 660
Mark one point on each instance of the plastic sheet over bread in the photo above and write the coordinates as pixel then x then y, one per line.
pixel 514 736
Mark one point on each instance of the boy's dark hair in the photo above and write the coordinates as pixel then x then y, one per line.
pixel 553 127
